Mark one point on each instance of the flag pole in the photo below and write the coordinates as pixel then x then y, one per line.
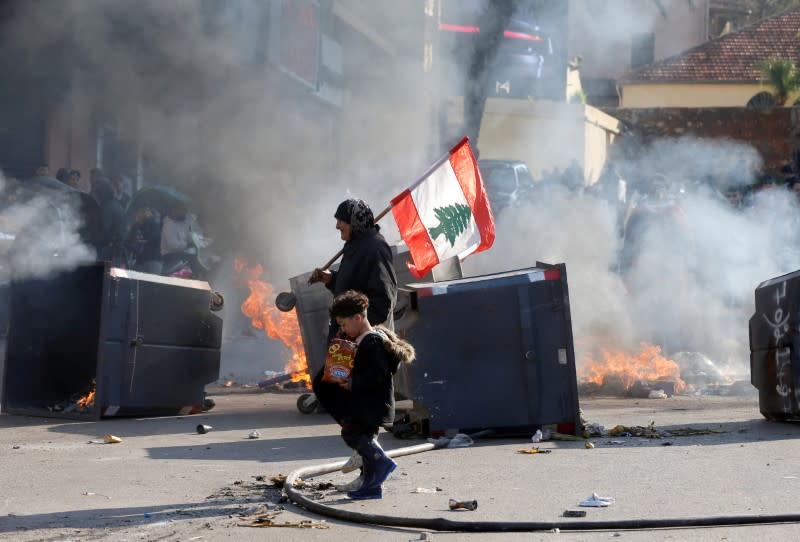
pixel 420 179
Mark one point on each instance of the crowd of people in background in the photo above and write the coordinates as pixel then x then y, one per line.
pixel 138 237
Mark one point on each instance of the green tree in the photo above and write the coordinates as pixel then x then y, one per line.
pixel 782 77
pixel 453 219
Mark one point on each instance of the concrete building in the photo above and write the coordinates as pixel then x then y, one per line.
pixel 607 39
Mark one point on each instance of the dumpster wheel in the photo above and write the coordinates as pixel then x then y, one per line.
pixel 307 403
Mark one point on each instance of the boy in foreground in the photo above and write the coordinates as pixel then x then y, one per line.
pixel 370 400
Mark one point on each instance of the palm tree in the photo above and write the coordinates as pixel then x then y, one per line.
pixel 782 76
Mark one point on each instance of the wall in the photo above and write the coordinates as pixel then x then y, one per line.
pixel 687 94
pixel 70 138
pixel 601 32
pixel 772 131
pixel 545 135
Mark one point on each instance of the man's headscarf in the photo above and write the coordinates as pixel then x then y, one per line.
pixel 356 213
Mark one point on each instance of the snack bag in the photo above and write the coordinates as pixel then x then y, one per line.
pixel 339 362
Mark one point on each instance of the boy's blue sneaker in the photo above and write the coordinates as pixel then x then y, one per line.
pixel 365 493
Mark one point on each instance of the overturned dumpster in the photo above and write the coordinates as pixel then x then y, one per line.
pixel 99 341
pixel 774 347
pixel 493 351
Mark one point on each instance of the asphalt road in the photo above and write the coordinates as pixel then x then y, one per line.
pixel 164 481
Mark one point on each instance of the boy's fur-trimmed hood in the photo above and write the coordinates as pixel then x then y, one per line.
pixel 401 350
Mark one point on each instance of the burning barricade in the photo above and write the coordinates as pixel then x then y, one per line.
pixel 260 308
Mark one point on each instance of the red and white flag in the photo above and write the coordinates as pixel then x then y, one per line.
pixel 446 213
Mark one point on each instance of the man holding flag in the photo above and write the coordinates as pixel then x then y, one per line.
pixel 444 214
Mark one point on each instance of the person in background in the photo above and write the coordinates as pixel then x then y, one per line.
pixel 119 183
pixel 63 175
pixel 143 243
pixel 368 395
pixel 74 179
pixel 112 219
pixel 177 242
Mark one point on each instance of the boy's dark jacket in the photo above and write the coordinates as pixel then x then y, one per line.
pixel 378 357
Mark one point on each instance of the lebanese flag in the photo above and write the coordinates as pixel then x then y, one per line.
pixel 446 213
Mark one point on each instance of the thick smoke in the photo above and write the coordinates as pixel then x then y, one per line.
pixel 40 233
pixel 685 278
pixel 188 81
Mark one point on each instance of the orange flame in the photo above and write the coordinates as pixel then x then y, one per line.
pixel 264 315
pixel 627 368
pixel 87 400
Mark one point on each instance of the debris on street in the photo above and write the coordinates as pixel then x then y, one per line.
pixel 596 501
pixel 533 450
pixel 254 435
pixel 111 439
pixel 203 429
pixel 463 505
pixel 266 518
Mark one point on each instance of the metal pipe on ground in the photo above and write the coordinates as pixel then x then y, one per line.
pixel 442 524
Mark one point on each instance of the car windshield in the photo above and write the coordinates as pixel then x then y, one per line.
pixel 499 180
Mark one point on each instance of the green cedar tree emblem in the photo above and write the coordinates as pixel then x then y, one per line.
pixel 453 220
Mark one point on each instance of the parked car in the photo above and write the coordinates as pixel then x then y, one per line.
pixel 507 181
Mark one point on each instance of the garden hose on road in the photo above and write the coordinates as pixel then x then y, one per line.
pixel 441 524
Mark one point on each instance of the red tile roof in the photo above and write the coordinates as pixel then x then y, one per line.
pixel 733 57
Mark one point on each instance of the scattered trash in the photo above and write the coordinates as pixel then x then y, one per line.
pixel 618 442
pixel 593 430
pixel 270 522
pixel 203 429
pixel 254 435
pixel 463 505
pixel 534 450
pixel 148 515
pixel 427 490
pixel 279 481
pixel 267 519
pixel 92 493
pixel 422 536
pixel 15 447
pixel 111 439
pixel 588 445
pixel 574 514
pixel 458 441
pixel 537 436
pixel 667 443
pixel 637 430
pixel 228 384
pixel 657 394
pixel 594 500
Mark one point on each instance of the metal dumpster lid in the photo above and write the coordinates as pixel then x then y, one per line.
pixel 493 280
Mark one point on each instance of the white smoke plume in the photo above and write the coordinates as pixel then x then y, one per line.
pixel 691 281
pixel 40 233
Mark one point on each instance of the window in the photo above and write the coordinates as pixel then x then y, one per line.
pixel 643 48
pixel 762 99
